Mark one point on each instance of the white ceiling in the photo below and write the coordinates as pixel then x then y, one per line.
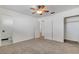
pixel 25 9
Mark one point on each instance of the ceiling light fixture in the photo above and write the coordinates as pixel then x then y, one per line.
pixel 41 9
pixel 39 12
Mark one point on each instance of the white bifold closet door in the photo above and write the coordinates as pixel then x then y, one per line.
pixel 72 28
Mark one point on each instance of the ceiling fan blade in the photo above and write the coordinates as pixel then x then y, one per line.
pixel 46 11
pixel 33 12
pixel 33 8
pixel 52 12
pixel 41 14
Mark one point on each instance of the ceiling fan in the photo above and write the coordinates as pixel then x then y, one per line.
pixel 40 9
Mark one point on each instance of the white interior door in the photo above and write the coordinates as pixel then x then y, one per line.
pixel 72 28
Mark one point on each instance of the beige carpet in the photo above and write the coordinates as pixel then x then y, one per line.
pixel 40 46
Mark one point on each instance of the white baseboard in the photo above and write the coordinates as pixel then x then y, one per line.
pixel 24 39
pixel 48 38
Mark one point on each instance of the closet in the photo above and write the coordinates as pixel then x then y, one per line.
pixel 71 28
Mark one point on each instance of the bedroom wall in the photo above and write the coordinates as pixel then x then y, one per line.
pixel 0 32
pixel 23 27
pixel 57 24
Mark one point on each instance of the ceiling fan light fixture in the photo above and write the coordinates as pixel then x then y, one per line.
pixel 39 12
pixel 41 9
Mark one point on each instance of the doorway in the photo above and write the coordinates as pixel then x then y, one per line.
pixel 42 28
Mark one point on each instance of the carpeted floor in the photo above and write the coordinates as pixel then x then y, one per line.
pixel 40 46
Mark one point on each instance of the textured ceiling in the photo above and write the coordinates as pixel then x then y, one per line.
pixel 25 9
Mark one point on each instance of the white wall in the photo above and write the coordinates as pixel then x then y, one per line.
pixel 58 24
pixel 24 27
pixel 0 31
